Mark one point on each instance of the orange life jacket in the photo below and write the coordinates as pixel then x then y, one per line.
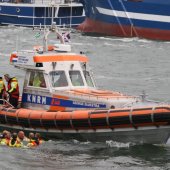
pixel 32 143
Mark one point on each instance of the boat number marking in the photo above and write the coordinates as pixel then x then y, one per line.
pixel 36 99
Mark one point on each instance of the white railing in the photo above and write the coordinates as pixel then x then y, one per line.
pixel 40 1
pixel 51 1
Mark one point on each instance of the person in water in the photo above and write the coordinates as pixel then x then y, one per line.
pixel 20 140
pixel 6 136
pixel 33 141
pixel 14 142
pixel 13 90
pixel 39 138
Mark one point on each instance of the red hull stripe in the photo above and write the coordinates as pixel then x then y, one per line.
pixel 92 26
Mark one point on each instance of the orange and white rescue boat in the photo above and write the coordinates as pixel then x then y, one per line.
pixel 60 100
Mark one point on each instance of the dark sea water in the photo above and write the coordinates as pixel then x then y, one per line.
pixel 122 64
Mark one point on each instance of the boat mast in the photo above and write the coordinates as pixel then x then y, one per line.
pixel 52 15
pixel 47 31
pixel 54 29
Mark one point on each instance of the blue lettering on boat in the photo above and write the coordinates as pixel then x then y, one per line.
pixel 36 99
pixel 50 101
pixel 86 104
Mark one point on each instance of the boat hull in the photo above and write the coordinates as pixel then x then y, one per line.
pixel 151 135
pixel 90 26
pixel 145 19
pixel 138 125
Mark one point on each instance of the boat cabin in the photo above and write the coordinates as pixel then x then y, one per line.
pixel 55 72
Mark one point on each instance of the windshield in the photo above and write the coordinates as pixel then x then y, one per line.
pixel 58 79
pixel 88 78
pixel 37 80
pixel 76 78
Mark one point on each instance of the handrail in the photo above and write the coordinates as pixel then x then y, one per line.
pixel 5 101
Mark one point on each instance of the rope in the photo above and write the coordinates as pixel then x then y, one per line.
pixel 114 12
pixel 131 23
pixel 5 101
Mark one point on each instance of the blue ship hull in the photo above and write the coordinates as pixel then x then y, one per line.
pixel 31 15
pixel 128 18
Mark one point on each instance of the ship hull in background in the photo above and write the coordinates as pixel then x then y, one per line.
pixel 127 18
pixel 30 14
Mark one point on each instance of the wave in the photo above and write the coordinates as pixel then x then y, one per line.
pixel 114 144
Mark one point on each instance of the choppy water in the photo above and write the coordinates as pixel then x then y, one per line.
pixel 121 64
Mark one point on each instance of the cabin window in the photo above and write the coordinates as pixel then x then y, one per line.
pixel 44 12
pixel 77 11
pixel 88 78
pixel 39 12
pixel 67 11
pixel 37 80
pixel 58 79
pixel 64 11
pixel 76 78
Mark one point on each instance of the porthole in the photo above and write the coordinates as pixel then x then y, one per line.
pixel 18 10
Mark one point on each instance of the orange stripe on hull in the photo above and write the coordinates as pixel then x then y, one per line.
pixel 60 97
pixel 59 108
pixel 59 57
pixel 94 119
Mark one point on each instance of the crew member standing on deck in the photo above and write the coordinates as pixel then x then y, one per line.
pixel 13 90
pixel 2 90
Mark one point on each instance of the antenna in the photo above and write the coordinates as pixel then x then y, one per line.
pixel 33 16
pixel 17 39
pixel 143 96
pixel 71 13
pixel 52 15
